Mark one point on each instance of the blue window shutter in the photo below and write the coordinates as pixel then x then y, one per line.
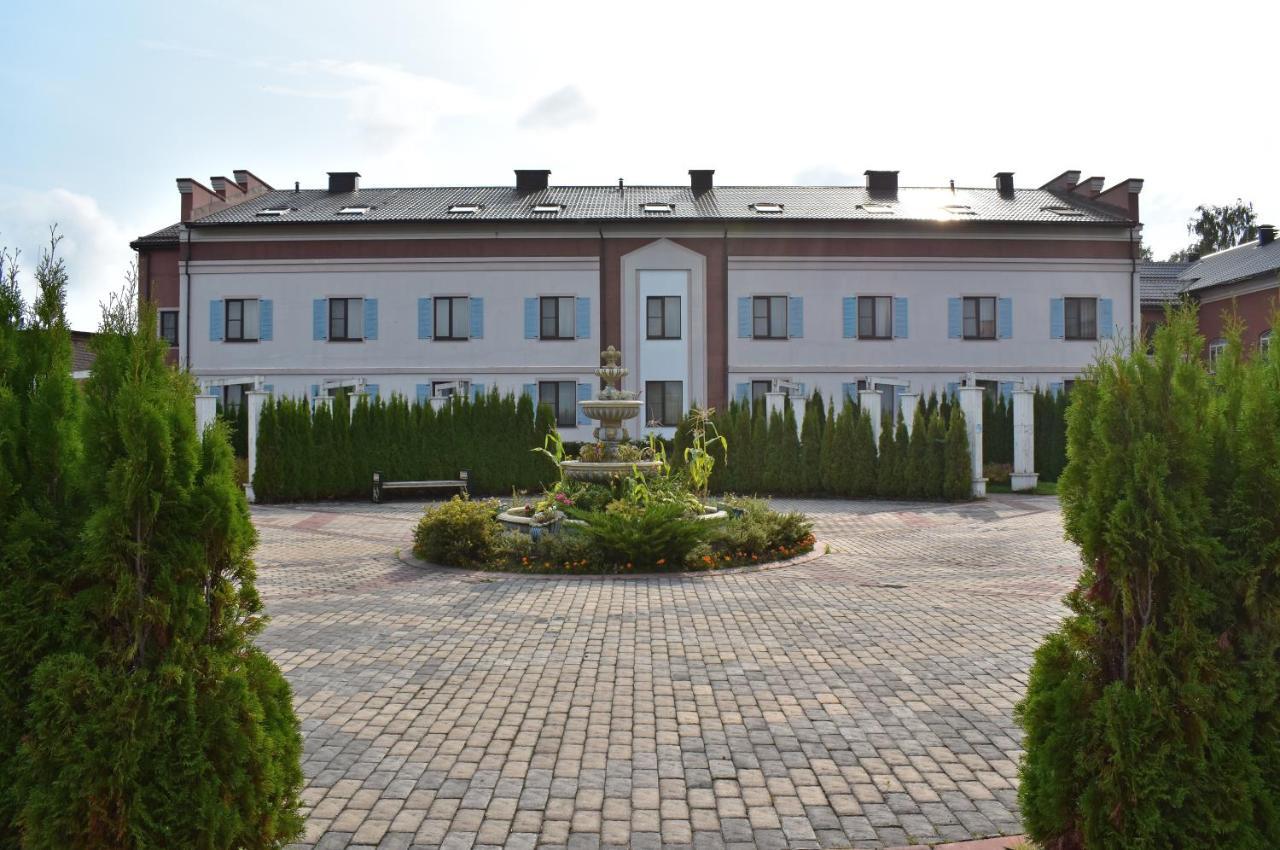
pixel 1055 387
pixel 372 390
pixel 1004 318
pixel 802 392
pixel 742 391
pixel 315 391
pixel 371 318
pixel 477 318
pixel 424 318
pixel 744 318
pixel 1006 390
pixel 531 390
pixel 1057 319
pixel 320 318
pixel 795 318
pixel 584 394
pixel 424 393
pixel 1106 317
pixel 477 390
pixel 954 318
pixel 900 327
pixel 216 317
pixel 582 318
pixel 266 320
pixel 531 318
pixel 269 388
pixel 850 391
pixel 850 306
pixel 953 388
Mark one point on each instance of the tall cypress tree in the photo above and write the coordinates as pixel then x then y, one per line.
pixel 862 481
pixel 958 463
pixel 935 468
pixel 917 486
pixel 887 471
pixel 811 444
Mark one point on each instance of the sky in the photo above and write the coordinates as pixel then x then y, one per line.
pixel 105 104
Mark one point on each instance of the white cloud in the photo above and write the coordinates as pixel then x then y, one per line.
pixel 388 106
pixel 94 245
pixel 562 108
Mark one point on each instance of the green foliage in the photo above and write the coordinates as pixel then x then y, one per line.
pixel 1050 416
pixel 811 437
pixel 935 453
pixel 917 477
pixel 1216 228
pixel 862 472
pixel 957 461
pixel 458 533
pixel 644 538
pixel 759 531
pixel 148 718
pixel 888 470
pixel 1151 714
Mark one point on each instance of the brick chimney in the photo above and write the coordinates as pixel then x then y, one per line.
pixel 882 182
pixel 1064 182
pixel 529 180
pixel 1266 234
pixel 1090 188
pixel 1123 196
pixel 700 180
pixel 199 200
pixel 227 189
pixel 1004 183
pixel 344 181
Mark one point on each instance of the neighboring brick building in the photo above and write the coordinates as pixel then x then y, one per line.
pixel 709 291
pixel 1244 281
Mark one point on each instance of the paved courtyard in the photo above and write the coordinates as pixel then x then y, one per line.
pixel 861 700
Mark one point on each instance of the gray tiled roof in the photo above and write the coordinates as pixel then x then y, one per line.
pixel 160 237
pixel 723 203
pixel 1239 263
pixel 1158 282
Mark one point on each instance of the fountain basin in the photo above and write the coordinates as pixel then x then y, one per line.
pixel 606 470
pixel 611 409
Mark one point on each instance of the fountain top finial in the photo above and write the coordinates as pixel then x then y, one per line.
pixel 611 357
pixel 612 371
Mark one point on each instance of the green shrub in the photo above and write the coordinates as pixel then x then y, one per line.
pixel 1151 714
pixel 759 531
pixel 458 533
pixel 655 537
pixel 936 462
pixel 888 470
pixel 568 549
pixel 862 473
pixel 957 463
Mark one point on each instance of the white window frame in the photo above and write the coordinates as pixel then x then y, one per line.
pixel 359 323
pixel 249 330
pixel 456 334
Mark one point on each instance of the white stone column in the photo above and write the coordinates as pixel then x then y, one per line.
pixel 907 403
pixel 206 412
pixel 971 404
pixel 438 402
pixel 774 403
pixel 255 399
pixel 869 400
pixel 353 398
pixel 1024 441
pixel 325 401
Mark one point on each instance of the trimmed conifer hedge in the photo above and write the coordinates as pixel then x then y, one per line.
pixel 835 453
pixel 332 454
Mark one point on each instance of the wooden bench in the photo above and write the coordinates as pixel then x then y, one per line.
pixel 380 484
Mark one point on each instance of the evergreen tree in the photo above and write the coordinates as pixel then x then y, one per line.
pixel 811 444
pixel 863 474
pixel 935 468
pixel 756 473
pixel 887 471
pixel 958 463
pixel 828 453
pixel 1150 715
pixel 158 724
pixel 792 480
pixel 917 486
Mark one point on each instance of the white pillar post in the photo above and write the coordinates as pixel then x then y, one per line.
pixel 206 411
pixel 325 401
pixel 908 402
pixel 1024 476
pixel 438 402
pixel 971 404
pixel 774 403
pixel 353 398
pixel 869 400
pixel 255 399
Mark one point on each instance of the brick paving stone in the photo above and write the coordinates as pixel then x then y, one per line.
pixel 864 699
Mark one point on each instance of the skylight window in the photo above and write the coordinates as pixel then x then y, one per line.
pixel 767 208
pixel 353 210
pixel 1065 212
pixel 876 209
pixel 464 209
pixel 548 209
pixel 273 211
pixel 658 208
pixel 959 209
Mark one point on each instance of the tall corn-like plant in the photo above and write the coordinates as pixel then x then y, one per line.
pixel 1151 714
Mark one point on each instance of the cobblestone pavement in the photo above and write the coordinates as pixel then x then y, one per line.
pixel 863 699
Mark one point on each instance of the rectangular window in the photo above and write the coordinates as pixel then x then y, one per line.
pixel 664 316
pixel 242 319
pixel 980 318
pixel 664 403
pixel 346 319
pixel 875 317
pixel 453 318
pixel 1082 318
pixel 557 318
pixel 562 397
pixel 169 327
pixel 758 389
pixel 233 397
pixel 769 317
pixel 449 389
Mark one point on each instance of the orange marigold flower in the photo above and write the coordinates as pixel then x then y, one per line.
pixel 661 561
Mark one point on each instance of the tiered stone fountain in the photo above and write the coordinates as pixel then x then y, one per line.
pixel 612 408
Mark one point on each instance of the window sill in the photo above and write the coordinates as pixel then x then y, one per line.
pixel 773 338
pixel 980 339
pixel 239 341
pixel 557 339
pixel 663 338
pixel 874 338
pixel 450 339
pixel 345 339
